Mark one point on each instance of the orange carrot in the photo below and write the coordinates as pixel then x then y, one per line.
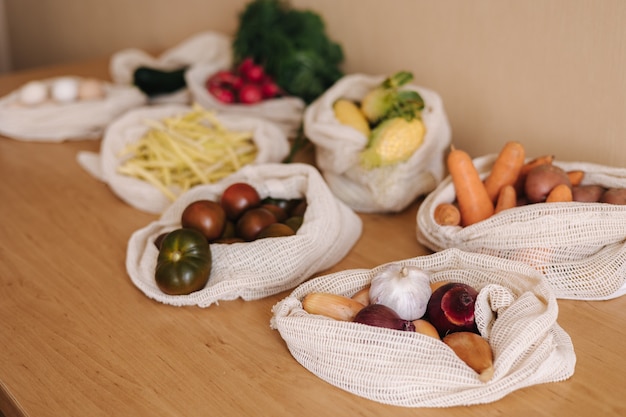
pixel 447 214
pixel 576 176
pixel 527 167
pixel 506 199
pixel 506 168
pixel 560 193
pixel 474 202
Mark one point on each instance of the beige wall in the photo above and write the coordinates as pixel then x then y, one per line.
pixel 549 73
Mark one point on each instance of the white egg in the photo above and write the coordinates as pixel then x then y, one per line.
pixel 65 89
pixel 32 93
pixel 90 89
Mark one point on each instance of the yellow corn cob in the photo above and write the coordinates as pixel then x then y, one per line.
pixel 348 113
pixel 393 141
pixel 334 306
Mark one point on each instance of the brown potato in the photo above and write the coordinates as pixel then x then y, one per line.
pixel 614 196
pixel 542 179
pixel 589 193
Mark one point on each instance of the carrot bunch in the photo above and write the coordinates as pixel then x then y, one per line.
pixel 504 187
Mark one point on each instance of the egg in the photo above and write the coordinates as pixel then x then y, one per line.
pixel 90 89
pixel 33 93
pixel 65 89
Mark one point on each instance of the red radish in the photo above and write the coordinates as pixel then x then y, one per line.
pixel 254 73
pixel 250 94
pixel 222 94
pixel 244 65
pixel 269 89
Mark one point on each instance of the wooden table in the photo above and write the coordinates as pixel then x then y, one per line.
pixel 77 338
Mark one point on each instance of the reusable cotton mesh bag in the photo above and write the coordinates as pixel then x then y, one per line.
pixel 203 48
pixel 271 143
pixel 257 269
pixel 58 122
pixel 286 112
pixel 579 247
pixel 516 311
pixel 385 189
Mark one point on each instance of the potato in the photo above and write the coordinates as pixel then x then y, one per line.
pixel 542 179
pixel 614 196
pixel 587 193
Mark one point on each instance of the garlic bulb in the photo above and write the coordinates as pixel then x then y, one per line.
pixel 404 289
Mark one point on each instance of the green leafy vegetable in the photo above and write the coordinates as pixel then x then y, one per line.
pixel 291 45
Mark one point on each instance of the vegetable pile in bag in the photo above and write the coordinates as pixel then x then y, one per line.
pixel 515 312
pixel 162 78
pixel 291 45
pixel 577 242
pixel 379 140
pixel 64 108
pixel 152 154
pixel 263 267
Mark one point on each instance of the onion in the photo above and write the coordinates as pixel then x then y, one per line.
pixel 382 316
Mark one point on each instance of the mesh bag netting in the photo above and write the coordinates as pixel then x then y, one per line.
pixel 263 267
pixel 385 189
pixel 516 311
pixel 579 247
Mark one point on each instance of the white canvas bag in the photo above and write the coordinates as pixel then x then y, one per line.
pixel 385 189
pixel 579 247
pixel 271 143
pixel 257 269
pixel 203 48
pixel 516 312
pixel 58 122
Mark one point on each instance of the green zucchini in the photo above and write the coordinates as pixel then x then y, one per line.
pixel 154 82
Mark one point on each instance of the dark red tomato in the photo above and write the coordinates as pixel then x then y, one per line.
pixel 279 212
pixel 206 216
pixel 299 209
pixel 184 262
pixel 276 230
pixel 239 197
pixel 252 222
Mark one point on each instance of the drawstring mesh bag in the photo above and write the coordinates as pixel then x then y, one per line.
pixel 516 312
pixel 579 247
pixel 286 112
pixel 384 189
pixel 271 143
pixel 203 48
pixel 257 269
pixel 58 122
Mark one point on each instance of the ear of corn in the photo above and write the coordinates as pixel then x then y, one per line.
pixel 393 141
pixel 334 306
pixel 348 113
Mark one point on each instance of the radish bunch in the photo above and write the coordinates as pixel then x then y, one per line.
pixel 246 84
